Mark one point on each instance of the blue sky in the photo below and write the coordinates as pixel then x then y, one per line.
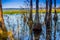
pixel 20 3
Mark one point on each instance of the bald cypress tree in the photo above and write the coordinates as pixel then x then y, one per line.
pixel 30 21
pixel 55 19
pixel 46 11
pixel 48 21
pixel 37 29
pixel 30 9
pixel 2 26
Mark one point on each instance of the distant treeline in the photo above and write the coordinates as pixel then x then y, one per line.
pixel 23 8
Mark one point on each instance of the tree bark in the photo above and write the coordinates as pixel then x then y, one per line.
pixel 37 12
pixel 46 11
pixel 37 29
pixel 55 19
pixel 49 22
pixel 30 21
pixel 2 25
pixel 30 9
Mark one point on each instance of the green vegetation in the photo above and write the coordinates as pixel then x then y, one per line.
pixel 25 11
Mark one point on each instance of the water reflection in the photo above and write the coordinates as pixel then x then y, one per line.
pixel 21 32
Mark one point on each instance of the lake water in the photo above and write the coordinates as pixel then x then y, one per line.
pixel 15 24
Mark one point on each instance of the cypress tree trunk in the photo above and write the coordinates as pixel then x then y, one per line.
pixel 30 9
pixel 30 21
pixel 37 11
pixel 46 11
pixel 48 22
pixel 2 26
pixel 55 19
pixel 37 29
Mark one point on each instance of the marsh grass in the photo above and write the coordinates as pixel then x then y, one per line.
pixel 26 11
